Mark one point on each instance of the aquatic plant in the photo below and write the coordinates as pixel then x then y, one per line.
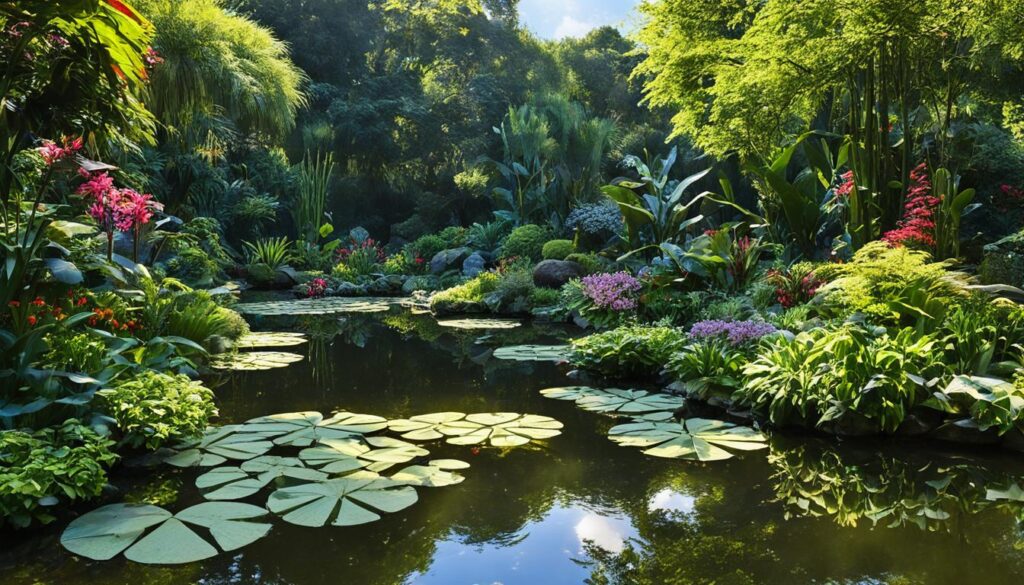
pixel 696 438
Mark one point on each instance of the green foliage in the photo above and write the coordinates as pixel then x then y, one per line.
pixel 470 292
pixel 488 236
pixel 736 308
pixel 525 242
pixel 990 403
pixel 273 252
pixel 153 409
pixel 193 265
pixel 427 246
pixel 197 317
pixel 76 352
pixel 344 273
pixel 628 352
pixel 557 249
pixel 723 257
pixel 709 369
pixel 514 291
pixel 39 470
pixel 310 206
pixel 859 380
pixel 591 263
pixel 544 297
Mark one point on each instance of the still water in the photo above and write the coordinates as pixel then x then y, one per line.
pixel 577 509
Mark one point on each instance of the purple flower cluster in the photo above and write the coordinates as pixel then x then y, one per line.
pixel 612 291
pixel 735 332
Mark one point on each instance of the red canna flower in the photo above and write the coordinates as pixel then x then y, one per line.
pixel 32 320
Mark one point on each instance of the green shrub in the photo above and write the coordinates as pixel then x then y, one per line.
pixel 544 297
pixel 40 469
pixel 525 242
pixel 454 236
pixel 472 291
pixel 197 317
pixel 343 273
pixel 514 290
pixel 557 249
pixel 154 409
pixel 737 308
pixel 591 263
pixel 487 236
pixel 235 325
pixel 76 352
pixel 426 247
pixel 628 352
pixel 194 266
pixel 709 369
pixel 857 379
pixel 274 252
pixel 261 274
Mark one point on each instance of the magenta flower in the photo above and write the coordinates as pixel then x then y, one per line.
pixel 735 332
pixel 616 292
pixel 53 153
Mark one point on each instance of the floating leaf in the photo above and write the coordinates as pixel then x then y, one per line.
pixel 617 401
pixel 573 393
pixel 335 456
pixel 325 306
pixel 220 444
pixel 427 476
pixel 501 429
pixel 471 323
pixel 302 429
pixel 696 439
pixel 236 483
pixel 346 501
pixel 255 361
pixel 533 353
pixel 269 339
pixel 424 427
pixel 1013 493
pixel 110 530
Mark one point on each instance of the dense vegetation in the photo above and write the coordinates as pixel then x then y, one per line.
pixel 798 214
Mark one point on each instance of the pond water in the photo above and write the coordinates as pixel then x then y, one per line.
pixel 577 508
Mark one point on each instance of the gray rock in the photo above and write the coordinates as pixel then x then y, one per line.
pixel 555 273
pixel 446 260
pixel 350 289
pixel 473 265
pixel 358 235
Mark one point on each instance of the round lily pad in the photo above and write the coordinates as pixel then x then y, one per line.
pixel 255 361
pixel 500 429
pixel 220 444
pixel 262 340
pixel 302 429
pixel 427 476
pixel 347 501
pixel 325 306
pixel 424 427
pixel 533 353
pixel 695 439
pixel 108 531
pixel 471 323
pixel 337 456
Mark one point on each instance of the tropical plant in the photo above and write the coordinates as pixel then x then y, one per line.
pixel 153 409
pixel 989 403
pixel 273 252
pixel 487 236
pixel 309 208
pixel 709 369
pixel 628 352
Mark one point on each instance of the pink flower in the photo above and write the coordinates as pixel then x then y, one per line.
pixel 847 186
pixel 53 153
pixel 612 291
pixel 917 228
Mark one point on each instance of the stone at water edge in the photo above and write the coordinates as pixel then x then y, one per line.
pixel 446 260
pixel 474 265
pixel 556 273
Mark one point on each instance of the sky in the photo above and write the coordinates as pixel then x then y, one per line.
pixel 557 19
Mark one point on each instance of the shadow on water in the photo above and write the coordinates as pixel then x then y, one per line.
pixel 579 508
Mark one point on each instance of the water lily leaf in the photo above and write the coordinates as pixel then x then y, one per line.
pixel 628 402
pixel 471 323
pixel 325 306
pixel 106 532
pixel 337 456
pixel 302 429
pixel 236 483
pixel 346 501
pixel 448 464
pixel 501 429
pixel 219 445
pixel 533 353
pixel 573 393
pixel 255 361
pixel 695 439
pixel 427 476
pixel 1013 493
pixel 424 427
pixel 259 340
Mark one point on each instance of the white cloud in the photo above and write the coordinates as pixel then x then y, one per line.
pixel 570 27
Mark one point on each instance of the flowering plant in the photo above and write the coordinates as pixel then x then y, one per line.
pixel 795 285
pixel 735 332
pixel 616 292
pixel 917 228
pixel 362 256
pixel 124 210
pixel 316 288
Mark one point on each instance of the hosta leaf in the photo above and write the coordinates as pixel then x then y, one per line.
pixel 696 439
pixel 255 361
pixel 533 353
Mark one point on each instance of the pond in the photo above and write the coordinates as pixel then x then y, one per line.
pixel 576 508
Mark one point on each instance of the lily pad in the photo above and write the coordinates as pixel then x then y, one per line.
pixel 325 306
pixel 694 439
pixel 471 323
pixel 270 339
pixel 302 429
pixel 347 501
pixel 219 445
pixel 427 476
pixel 616 401
pixel 424 427
pixel 255 361
pixel 108 531
pixel 236 483
pixel 337 456
pixel 533 353
pixel 500 429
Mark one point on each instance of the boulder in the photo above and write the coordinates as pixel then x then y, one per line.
pixel 446 260
pixel 555 273
pixel 473 265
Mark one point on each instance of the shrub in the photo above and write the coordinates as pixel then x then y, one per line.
pixel 557 249
pixel 709 369
pixel 514 290
pixel 261 274
pixel 472 291
pixel 37 470
pixel 198 318
pixel 345 274
pixel 194 266
pixel 795 285
pixel 487 236
pixel 525 242
pixel 426 247
pixel 862 380
pixel 544 297
pixel 453 237
pixel 274 252
pixel 153 409
pixel 234 325
pixel 591 263
pixel 628 352
pixel 596 220
pixel 75 352
pixel 605 300
pixel 735 308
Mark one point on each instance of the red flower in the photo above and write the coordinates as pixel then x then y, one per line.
pixel 39 302
pixel 32 320
pixel 123 9
pixel 14 304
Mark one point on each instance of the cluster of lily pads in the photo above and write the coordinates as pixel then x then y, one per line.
pixel 338 472
pixel 654 428
pixel 246 359
pixel 322 306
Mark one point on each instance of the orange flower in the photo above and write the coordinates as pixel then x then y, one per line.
pixel 32 320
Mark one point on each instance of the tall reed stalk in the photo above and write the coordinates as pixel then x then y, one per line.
pixel 311 204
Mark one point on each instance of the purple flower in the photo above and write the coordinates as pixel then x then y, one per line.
pixel 735 332
pixel 612 291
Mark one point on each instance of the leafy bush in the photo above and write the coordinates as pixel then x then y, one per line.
pixel 795 285
pixel 860 379
pixel 544 297
pixel 261 274
pixel 987 403
pixel 453 236
pixel 75 352
pixel 604 300
pixel 735 308
pixel 514 290
pixel 426 247
pixel 709 369
pixel 154 409
pixel 193 265
pixel 557 249
pixel 596 220
pixel 487 236
pixel 591 263
pixel 525 242
pixel 472 291
pixel 197 317
pixel 39 469
pixel 343 273
pixel 274 252
pixel 628 352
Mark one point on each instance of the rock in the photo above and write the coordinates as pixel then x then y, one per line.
pixel 419 283
pixel 555 273
pixel 349 289
pixel 965 432
pixel 358 235
pixel 386 285
pixel 473 265
pixel 920 423
pixel 446 260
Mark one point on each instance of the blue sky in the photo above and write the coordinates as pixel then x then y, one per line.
pixel 556 19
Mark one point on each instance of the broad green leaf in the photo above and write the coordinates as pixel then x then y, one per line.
pixel 533 353
pixel 697 439
pixel 346 501
pixel 268 339
pixel 254 361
